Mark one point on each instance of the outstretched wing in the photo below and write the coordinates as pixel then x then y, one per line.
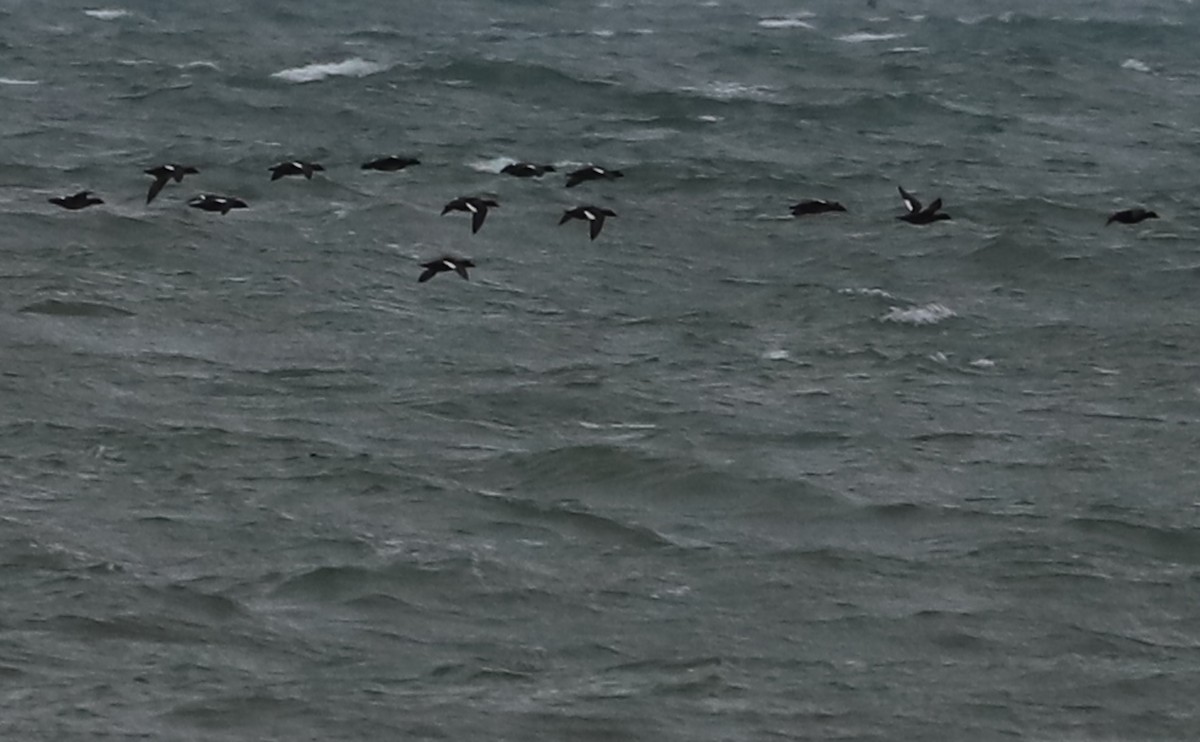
pixel 426 275
pixel 461 270
pixel 595 225
pixel 934 207
pixel 566 217
pixel 158 184
pixel 478 214
pixel 910 201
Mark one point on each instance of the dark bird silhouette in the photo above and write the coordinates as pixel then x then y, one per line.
pixel 592 172
pixel 209 202
pixel 76 201
pixel 294 167
pixel 916 214
pixel 473 205
pixel 526 170
pixel 390 164
pixel 593 215
pixel 1131 216
pixel 164 174
pixel 445 263
pixel 816 206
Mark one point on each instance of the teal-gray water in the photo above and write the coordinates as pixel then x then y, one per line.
pixel 720 474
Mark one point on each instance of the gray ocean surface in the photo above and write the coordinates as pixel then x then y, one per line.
pixel 720 474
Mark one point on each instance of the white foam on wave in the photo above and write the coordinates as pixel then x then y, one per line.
pixel 878 293
pixel 927 314
pixel 14 81
pixel 106 14
pixel 1136 65
pixel 354 67
pixel 492 165
pixel 733 91
pixel 795 20
pixel 863 37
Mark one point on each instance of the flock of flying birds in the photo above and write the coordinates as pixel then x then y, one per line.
pixel 477 206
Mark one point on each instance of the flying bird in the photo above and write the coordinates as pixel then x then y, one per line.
pixel 473 205
pixel 163 174
pixel 76 201
pixel 593 215
pixel 445 263
pixel 918 215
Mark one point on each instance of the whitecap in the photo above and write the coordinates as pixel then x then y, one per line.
pixel 493 165
pixel 927 314
pixel 982 363
pixel 776 354
pixel 106 14
pixel 878 293
pixel 732 91
pixel 14 81
pixel 709 118
pixel 604 33
pixel 1136 65
pixel 355 67
pixel 795 20
pixel 864 36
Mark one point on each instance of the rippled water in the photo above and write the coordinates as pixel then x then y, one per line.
pixel 718 474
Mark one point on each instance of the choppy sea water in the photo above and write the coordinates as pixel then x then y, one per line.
pixel 720 474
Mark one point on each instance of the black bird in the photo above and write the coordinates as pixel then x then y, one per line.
pixel 390 164
pixel 526 170
pixel 475 206
pixel 209 202
pixel 445 263
pixel 594 215
pixel 163 174
pixel 294 167
pixel 816 206
pixel 591 172
pixel 916 214
pixel 1131 216
pixel 77 201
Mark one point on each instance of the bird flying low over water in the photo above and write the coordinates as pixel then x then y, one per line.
pixel 445 263
pixel 475 206
pixel 816 206
pixel 593 215
pixel 209 202
pixel 591 172
pixel 164 174
pixel 1131 216
pixel 390 164
pixel 526 169
pixel 294 167
pixel 918 215
pixel 76 201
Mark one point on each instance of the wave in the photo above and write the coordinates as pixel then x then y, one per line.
pixel 59 308
pixel 864 36
pixel 15 81
pixel 354 67
pixel 795 20
pixel 106 14
pixel 926 314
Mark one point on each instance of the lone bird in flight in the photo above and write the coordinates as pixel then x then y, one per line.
pixel 593 215
pixel 1131 216
pixel 526 169
pixel 294 167
pixel 209 202
pixel 163 174
pixel 445 263
pixel 592 172
pixel 390 164
pixel 76 201
pixel 917 215
pixel 816 206
pixel 473 205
